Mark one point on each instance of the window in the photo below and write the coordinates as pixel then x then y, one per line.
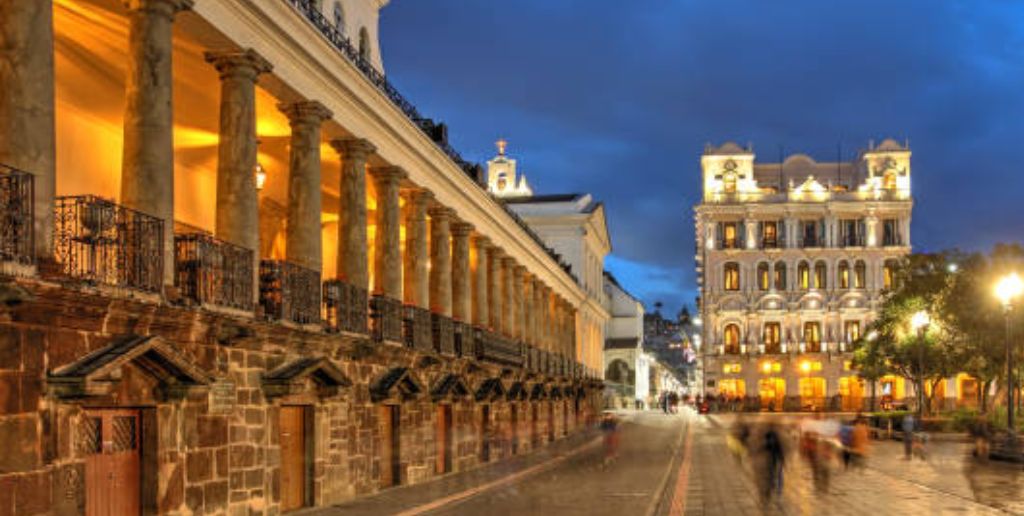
pixel 851 329
pixel 771 367
pixel 859 273
pixel 364 44
pixel 844 275
pixel 769 234
pixel 780 276
pixel 851 232
pixel 820 278
pixel 772 337
pixel 812 336
pixel 732 276
pixel 763 277
pixel 729 182
pixel 811 233
pixel 339 17
pixel 889 274
pixel 732 339
pixel 803 275
pixel 731 368
pixel 890 232
pixel 730 235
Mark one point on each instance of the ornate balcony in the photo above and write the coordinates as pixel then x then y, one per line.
pixel 289 292
pixel 100 242
pixel 385 319
pixel 444 334
pixel 462 339
pixel 345 307
pixel 210 271
pixel 416 328
pixel 497 349
pixel 17 211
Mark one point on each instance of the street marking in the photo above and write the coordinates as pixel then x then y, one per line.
pixel 441 502
pixel 683 480
pixel 659 493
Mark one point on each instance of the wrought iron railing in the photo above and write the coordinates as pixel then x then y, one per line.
pixel 416 332
pixel 289 292
pixel 443 330
pixel 17 213
pixel 385 319
pixel 210 271
pixel 345 307
pixel 497 349
pixel 462 340
pixel 101 242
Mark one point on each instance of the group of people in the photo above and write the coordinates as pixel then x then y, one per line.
pixel 669 402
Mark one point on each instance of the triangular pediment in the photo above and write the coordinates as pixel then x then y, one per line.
pixel 306 374
pixel 490 389
pixel 517 392
pixel 398 383
pixel 555 392
pixel 538 392
pixel 451 386
pixel 97 373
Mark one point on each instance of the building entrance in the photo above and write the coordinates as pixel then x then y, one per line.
pixel 111 441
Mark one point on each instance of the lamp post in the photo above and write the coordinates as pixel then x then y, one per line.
pixel 1008 289
pixel 919 323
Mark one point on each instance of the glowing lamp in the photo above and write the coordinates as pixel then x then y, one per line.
pixel 805 366
pixel 261 176
pixel 766 367
pixel 919 320
pixel 1009 288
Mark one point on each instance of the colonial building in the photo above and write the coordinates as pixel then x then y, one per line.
pixel 793 259
pixel 626 366
pixel 241 272
pixel 574 227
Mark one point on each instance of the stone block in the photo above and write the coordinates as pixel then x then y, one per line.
pixel 256 361
pixel 237 479
pixel 69 490
pixel 10 348
pixel 33 345
pixel 10 393
pixel 212 430
pixel 241 456
pixel 222 468
pixel 199 466
pixel 254 478
pixel 31 392
pixel 32 493
pixel 254 416
pixel 172 494
pixel 22 448
pixel 194 499
pixel 216 496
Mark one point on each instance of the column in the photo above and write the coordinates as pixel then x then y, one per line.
pixel 494 291
pixel 527 286
pixel 147 166
pixel 481 283
pixel 538 316
pixel 352 245
pixel 441 260
pixel 507 303
pixel 871 228
pixel 520 307
pixel 416 281
pixel 304 241
pixel 545 318
pixel 27 133
pixel 387 256
pixel 461 301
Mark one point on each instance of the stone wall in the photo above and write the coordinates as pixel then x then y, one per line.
pixel 224 456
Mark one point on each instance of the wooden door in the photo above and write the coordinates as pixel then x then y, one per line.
pixel 293 457
pixel 485 433
pixel 391 453
pixel 444 439
pixel 111 442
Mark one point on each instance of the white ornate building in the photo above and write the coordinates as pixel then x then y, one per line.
pixel 793 259
pixel 626 366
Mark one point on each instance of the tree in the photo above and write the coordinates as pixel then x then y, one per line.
pixel 870 363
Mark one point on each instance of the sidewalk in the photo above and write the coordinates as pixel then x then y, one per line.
pixel 412 499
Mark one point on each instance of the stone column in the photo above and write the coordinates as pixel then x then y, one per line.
pixel 147 166
pixel 304 240
pixel 441 260
pixel 537 315
pixel 518 302
pixel 387 256
pixel 352 246
pixel 27 133
pixel 494 290
pixel 461 301
pixel 507 303
pixel 481 284
pixel 417 257
pixel 527 286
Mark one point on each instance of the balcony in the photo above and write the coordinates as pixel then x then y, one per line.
pixel 443 330
pixel 17 213
pixel 851 240
pixel 100 242
pixel 385 319
pixel 289 292
pixel 416 328
pixel 462 335
pixel 769 243
pixel 496 349
pixel 345 307
pixel 210 271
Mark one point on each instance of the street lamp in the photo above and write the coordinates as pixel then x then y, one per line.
pixel 919 323
pixel 1008 289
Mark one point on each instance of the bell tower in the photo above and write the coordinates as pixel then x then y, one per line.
pixel 502 178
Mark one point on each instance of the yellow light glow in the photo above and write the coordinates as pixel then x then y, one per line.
pixel 920 320
pixel 1009 288
pixel 805 366
pixel 766 367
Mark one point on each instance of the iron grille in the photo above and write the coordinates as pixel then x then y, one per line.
pixel 90 436
pixel 494 348
pixel 444 334
pixel 345 307
pixel 98 241
pixel 416 328
pixel 212 271
pixel 17 212
pixel 463 340
pixel 386 319
pixel 289 292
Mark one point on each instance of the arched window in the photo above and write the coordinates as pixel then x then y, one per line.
pixel 859 274
pixel 803 275
pixel 889 274
pixel 763 277
pixel 812 336
pixel 820 275
pixel 731 276
pixel 889 180
pixel 780 276
pixel 364 44
pixel 339 17
pixel 844 275
pixel 731 339
pixel 772 337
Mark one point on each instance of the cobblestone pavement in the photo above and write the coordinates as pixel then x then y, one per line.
pixel 947 482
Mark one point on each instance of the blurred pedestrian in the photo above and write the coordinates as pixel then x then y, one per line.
pixel 610 428
pixel 908 436
pixel 981 432
pixel 771 461
pixel 860 439
pixel 738 439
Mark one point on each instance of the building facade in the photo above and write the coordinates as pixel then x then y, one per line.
pixel 626 365
pixel 793 260
pixel 242 274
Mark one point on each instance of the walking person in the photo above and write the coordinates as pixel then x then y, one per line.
pixel 773 458
pixel 610 428
pixel 908 436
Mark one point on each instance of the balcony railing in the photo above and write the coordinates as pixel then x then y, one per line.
pixel 101 242
pixel 497 349
pixel 462 339
pixel 386 319
pixel 289 292
pixel 416 328
pixel 851 240
pixel 17 213
pixel 443 331
pixel 345 307
pixel 210 271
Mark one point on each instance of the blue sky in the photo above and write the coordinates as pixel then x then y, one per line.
pixel 618 99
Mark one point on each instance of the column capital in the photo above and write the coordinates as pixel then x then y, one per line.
pixel 420 196
pixel 438 211
pixel 388 174
pixel 510 262
pixel 497 253
pixel 166 8
pixel 482 241
pixel 462 229
pixel 353 148
pixel 305 111
pixel 245 63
